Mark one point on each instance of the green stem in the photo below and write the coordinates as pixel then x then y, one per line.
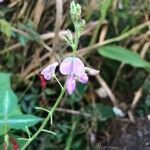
pixel 6 140
pixel 58 81
pixel 95 34
pixel 75 43
pixel 47 131
pixel 46 119
pixel 71 135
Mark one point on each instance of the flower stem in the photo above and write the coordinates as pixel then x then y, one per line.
pixel 46 119
pixel 76 40
pixel 58 81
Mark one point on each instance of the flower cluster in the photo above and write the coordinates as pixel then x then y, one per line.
pixel 75 70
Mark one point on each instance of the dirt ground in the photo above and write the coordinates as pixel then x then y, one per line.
pixel 128 136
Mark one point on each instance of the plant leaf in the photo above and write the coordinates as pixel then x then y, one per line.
pixel 4 81
pixel 20 121
pixel 11 116
pixel 104 8
pixel 124 55
pixel 6 28
pixel 102 112
pixel 8 105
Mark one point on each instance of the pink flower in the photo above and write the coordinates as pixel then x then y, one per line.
pixel 72 65
pixel 83 78
pixel 70 84
pixel 49 71
pixel 75 69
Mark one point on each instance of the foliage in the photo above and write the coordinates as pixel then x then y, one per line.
pixel 112 39
pixel 5 28
pixel 11 116
pixel 124 55
pixel 105 4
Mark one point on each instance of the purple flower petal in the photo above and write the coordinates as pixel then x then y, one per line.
pixel 70 84
pixel 46 73
pixel 78 66
pixel 91 71
pixel 72 65
pixel 83 79
pixel 49 71
pixel 66 66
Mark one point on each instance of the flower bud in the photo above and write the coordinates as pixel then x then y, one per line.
pixel 75 11
pixel 67 36
pixel 91 71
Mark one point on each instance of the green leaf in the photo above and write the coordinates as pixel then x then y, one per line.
pixel 6 28
pixel 5 10
pixel 8 105
pixel 20 121
pixel 23 40
pixel 104 8
pixel 32 33
pixel 105 111
pixel 2 129
pixel 124 55
pixel 11 116
pixel 4 81
pixel 102 112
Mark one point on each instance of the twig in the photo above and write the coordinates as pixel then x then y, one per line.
pixel 117 76
pixel 138 93
pixel 131 116
pixel 39 8
pixel 103 33
pixel 108 90
pixel 14 47
pixel 137 96
pixel 59 13
pixel 74 112
pixel 145 49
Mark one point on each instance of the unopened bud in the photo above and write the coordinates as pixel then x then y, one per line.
pixel 67 36
pixel 75 11
pixel 82 25
pixel 91 71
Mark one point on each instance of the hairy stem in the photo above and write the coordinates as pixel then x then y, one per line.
pixel 76 40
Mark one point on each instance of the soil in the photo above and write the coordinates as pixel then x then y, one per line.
pixel 128 136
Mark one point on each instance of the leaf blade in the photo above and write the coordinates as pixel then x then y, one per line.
pixel 124 55
pixel 10 113
pixel 21 121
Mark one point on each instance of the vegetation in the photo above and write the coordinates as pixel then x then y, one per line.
pixel 70 71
